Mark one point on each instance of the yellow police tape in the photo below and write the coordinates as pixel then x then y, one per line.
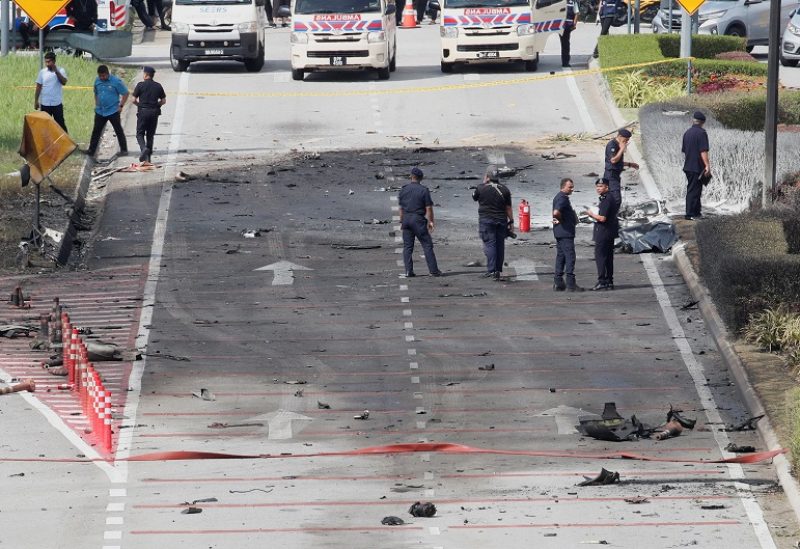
pixel 423 89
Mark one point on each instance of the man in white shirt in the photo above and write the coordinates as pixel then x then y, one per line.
pixel 49 89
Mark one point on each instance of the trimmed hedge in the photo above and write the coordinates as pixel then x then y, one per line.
pixel 628 49
pixel 703 68
pixel 746 110
pixel 745 264
pixel 704 46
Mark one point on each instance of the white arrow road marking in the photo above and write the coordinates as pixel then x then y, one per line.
pixel 566 418
pixel 283 272
pixel 525 269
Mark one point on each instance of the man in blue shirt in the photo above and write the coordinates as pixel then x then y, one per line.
pixel 564 222
pixel 110 95
pixel 416 220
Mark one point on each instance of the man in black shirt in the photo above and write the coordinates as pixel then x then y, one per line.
pixel 564 222
pixel 615 163
pixel 149 97
pixel 696 166
pixel 416 220
pixel 606 229
pixel 495 218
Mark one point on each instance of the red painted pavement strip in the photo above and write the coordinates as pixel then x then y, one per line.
pixel 342 432
pixel 114 296
pixel 439 501
pixel 318 529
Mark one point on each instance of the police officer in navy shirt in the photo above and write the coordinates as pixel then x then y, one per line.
pixel 615 163
pixel 495 219
pixel 606 12
pixel 570 22
pixel 149 97
pixel 606 229
pixel 416 220
pixel 564 222
pixel 696 166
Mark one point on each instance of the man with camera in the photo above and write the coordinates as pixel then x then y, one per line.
pixel 495 220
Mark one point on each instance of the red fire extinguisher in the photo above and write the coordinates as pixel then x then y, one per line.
pixel 524 216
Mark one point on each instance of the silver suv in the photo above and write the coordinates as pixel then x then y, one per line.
pixel 746 18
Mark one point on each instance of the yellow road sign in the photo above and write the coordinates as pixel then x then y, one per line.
pixel 42 11
pixel 691 5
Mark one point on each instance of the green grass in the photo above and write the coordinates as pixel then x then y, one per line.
pixel 17 77
pixel 793 421
pixel 628 49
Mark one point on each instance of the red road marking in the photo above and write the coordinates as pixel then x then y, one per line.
pixel 600 524
pixel 308 529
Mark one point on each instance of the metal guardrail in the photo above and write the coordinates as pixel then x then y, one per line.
pixel 102 45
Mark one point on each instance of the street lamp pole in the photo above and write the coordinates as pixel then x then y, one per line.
pixel 5 26
pixel 771 119
pixel 686 46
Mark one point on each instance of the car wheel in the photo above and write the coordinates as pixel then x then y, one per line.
pixel 393 62
pixel 178 65
pixel 447 67
pixel 788 62
pixel 256 63
pixel 531 66
pixel 298 74
pixel 736 30
pixel 384 73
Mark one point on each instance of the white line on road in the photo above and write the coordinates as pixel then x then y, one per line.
pixel 525 269
pixel 583 110
pixel 751 506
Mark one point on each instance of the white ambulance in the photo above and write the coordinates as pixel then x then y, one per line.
pixel 497 31
pixel 342 35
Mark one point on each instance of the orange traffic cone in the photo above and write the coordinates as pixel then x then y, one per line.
pixel 409 16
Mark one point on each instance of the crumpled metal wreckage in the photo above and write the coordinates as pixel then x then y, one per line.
pixel 612 427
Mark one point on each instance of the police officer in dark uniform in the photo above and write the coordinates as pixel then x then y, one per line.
pixel 495 220
pixel 564 222
pixel 606 229
pixel 149 97
pixel 696 165
pixel 416 220
pixel 615 163
pixel 400 5
pixel 606 12
pixel 570 22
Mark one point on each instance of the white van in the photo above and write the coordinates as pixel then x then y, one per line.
pixel 217 29
pixel 342 35
pixel 492 31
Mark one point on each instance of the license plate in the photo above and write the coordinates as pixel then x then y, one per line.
pixel 489 54
pixel 338 61
pixel 214 52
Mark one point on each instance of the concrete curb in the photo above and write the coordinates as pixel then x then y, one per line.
pixel 713 321
pixel 719 334
pixel 71 231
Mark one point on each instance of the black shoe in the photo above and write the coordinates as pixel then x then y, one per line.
pixel 600 287
pixel 689 218
pixel 565 65
pixel 410 275
pixel 165 27
pixel 436 274
pixel 496 275
pixel 487 275
pixel 144 154
pixel 559 287
pixel 610 286
pixel 123 152
pixel 574 288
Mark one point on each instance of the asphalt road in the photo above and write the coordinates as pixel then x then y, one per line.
pixel 292 357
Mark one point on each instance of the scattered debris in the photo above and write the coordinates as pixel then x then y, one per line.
pixel 671 429
pixel 204 500
pixel 251 490
pixel 362 415
pixel 355 246
pixel 250 233
pixel 167 356
pixel 12 331
pixel 690 305
pixel 418 509
pixel 676 415
pixel 747 425
pixel 323 405
pixel 643 211
pixel 595 542
pixel 377 222
pixel 16 475
pixel 181 177
pixel 477 294
pixel 295 382
pixel 557 155
pixel 218 425
pixel 473 264
pixel 451 383
pixel 204 394
pixel 605 477
pixel 27 385
pixel 637 500
pixel 192 511
pixel 713 506
pixel 487 368
pixel 299 393
pixel 735 448
pixel 392 521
